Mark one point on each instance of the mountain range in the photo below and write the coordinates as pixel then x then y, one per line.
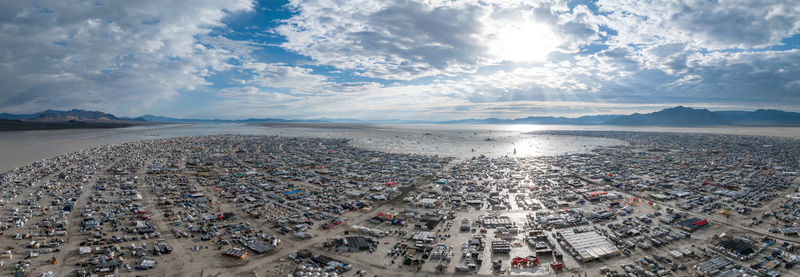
pixel 164 119
pixel 583 120
pixel 677 116
pixel 75 114
pixel 72 119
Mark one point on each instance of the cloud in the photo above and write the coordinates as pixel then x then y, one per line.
pixel 255 94
pixel 117 56
pixel 390 40
pixel 767 78
pixel 712 25
pixel 297 79
pixel 407 40
pixel 400 59
pixel 294 80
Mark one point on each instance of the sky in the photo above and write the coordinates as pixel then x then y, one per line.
pixel 416 59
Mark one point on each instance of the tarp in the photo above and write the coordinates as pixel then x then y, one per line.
pixel 596 193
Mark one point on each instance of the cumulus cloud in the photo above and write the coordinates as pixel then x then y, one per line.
pixel 393 40
pixel 110 55
pixel 711 25
pixel 658 52
pixel 403 59
pixel 255 94
pixel 297 79
pixel 769 77
pixel 411 39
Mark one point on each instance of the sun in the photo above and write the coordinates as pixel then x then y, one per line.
pixel 522 41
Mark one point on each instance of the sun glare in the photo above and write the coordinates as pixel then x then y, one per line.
pixel 525 41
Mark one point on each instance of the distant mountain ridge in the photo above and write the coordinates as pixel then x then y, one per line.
pixel 165 119
pixel 583 120
pixel 71 115
pixel 76 115
pixel 761 117
pixel 24 116
pixel 676 116
pixel 72 119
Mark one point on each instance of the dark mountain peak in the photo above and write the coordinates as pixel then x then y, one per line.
pixel 76 115
pixel 762 117
pixel 771 111
pixel 682 109
pixel 677 116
